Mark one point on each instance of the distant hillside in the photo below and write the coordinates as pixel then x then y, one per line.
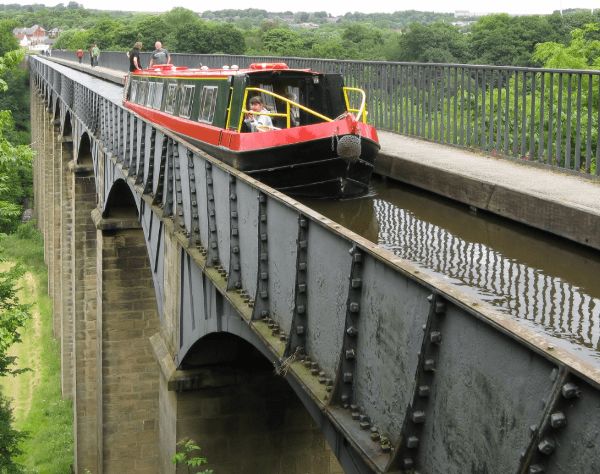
pixel 396 20
pixel 73 15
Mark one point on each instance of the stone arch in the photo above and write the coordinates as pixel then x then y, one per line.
pixel 67 128
pixel 245 417
pixel 120 202
pixel 84 152
pixel 56 110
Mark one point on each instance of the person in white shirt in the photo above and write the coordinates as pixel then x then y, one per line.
pixel 255 121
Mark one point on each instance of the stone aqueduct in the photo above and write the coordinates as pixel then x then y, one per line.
pixel 180 284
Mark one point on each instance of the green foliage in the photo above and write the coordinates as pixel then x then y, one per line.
pixel 563 25
pixel 393 21
pixel 188 455
pixel 8 62
pixel 7 40
pixel 105 34
pixel 12 317
pixel 226 39
pixel 580 53
pixel 9 440
pixel 15 176
pixel 203 38
pixel 74 39
pixel 14 77
pixel 48 447
pixel 59 16
pixel 282 41
pixel 17 101
pixel 363 42
pixel 9 213
pixel 29 233
pixel 504 40
pixel 13 314
pixel 180 30
pixel 409 35
pixel 149 29
pixel 437 42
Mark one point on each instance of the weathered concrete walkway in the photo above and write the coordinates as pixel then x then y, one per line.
pixel 550 200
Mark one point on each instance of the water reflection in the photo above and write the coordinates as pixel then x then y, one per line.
pixel 549 282
pixel 358 215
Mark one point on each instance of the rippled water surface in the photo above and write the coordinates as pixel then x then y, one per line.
pixel 551 283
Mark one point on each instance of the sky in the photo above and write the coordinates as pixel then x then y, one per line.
pixel 335 7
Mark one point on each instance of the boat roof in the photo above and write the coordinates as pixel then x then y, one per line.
pixel 170 70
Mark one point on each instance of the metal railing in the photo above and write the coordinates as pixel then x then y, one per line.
pixel 548 116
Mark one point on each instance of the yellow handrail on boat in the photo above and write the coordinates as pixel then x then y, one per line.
pixel 361 112
pixel 289 105
pixel 229 107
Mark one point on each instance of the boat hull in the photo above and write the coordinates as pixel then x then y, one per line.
pixel 306 169
pixel 301 161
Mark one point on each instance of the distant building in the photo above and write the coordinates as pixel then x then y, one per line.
pixel 31 36
pixel 462 14
pixel 468 14
pixel 54 32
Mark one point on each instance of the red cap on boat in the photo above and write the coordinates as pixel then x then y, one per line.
pixel 258 66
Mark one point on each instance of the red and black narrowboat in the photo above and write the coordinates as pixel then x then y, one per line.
pixel 319 145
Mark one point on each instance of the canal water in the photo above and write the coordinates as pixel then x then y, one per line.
pixel 551 284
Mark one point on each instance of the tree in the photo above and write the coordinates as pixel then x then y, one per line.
pixel 149 29
pixel 436 42
pixel 282 41
pixel 13 314
pixel 73 39
pixel 331 46
pixel 193 38
pixel 180 16
pixel 12 317
pixel 364 41
pixel 9 440
pixel 509 41
pixel 563 25
pixel 226 39
pixel 15 161
pixel 15 176
pixel 580 53
pixel 105 34
pixel 8 42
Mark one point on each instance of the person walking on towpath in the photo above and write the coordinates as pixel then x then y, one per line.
pixel 159 56
pixel 95 55
pixel 79 55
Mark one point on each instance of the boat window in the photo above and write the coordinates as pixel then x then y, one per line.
pixel 185 110
pixel 133 91
pixel 293 93
pixel 208 102
pixel 158 95
pixel 171 98
pixel 142 93
pixel 151 92
pixel 268 100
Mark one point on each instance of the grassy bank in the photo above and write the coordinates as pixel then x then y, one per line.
pixel 38 407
